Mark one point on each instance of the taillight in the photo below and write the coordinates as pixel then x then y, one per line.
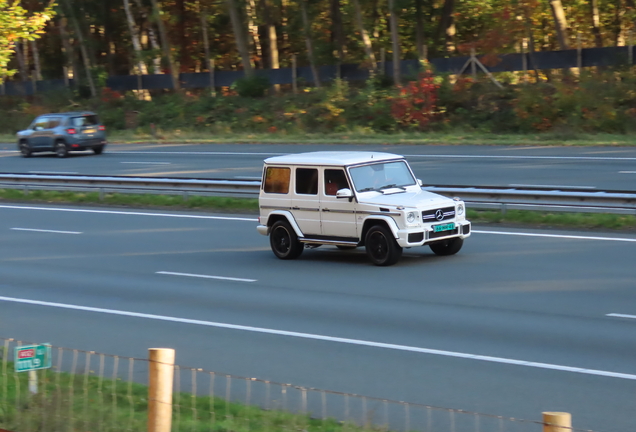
pixel 102 128
pixel 71 131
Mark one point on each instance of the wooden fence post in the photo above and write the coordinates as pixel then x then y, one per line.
pixel 579 52
pixel 524 58
pixel 161 376
pixel 294 74
pixel 212 80
pixel 557 422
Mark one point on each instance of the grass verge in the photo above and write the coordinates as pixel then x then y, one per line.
pixel 250 205
pixel 67 402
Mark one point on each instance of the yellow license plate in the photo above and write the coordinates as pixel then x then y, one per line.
pixel 90 130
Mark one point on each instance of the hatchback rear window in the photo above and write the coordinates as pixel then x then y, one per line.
pixel 87 120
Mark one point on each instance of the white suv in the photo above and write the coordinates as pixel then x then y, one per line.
pixel 351 199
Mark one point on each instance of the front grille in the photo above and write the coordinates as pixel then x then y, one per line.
pixel 433 235
pixel 430 215
pixel 416 237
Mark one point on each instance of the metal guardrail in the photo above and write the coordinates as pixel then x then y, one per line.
pixel 528 198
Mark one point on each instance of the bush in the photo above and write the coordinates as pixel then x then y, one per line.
pixel 252 87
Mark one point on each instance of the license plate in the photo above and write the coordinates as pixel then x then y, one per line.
pixel 444 227
pixel 89 131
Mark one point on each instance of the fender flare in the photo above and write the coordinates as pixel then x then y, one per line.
pixel 290 218
pixel 389 221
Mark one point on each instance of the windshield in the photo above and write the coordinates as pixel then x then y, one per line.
pixel 381 175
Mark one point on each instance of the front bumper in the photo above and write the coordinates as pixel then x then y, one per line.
pixel 262 229
pixel 414 237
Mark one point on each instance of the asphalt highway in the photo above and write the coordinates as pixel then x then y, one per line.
pixel 587 168
pixel 535 307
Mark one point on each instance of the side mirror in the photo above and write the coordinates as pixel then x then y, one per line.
pixel 344 193
pixel 419 182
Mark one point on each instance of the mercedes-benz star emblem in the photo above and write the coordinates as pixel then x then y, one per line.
pixel 439 215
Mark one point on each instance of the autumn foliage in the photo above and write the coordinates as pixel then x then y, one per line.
pixel 416 104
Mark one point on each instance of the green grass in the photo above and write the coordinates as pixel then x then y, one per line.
pixel 68 402
pixel 403 138
pixel 250 205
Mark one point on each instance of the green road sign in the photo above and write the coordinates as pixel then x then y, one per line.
pixel 32 357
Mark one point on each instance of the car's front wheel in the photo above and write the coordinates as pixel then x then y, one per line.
pixel 25 149
pixel 284 241
pixel 382 249
pixel 61 150
pixel 447 247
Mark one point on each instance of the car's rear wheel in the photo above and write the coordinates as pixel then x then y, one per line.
pixel 98 150
pixel 447 247
pixel 61 150
pixel 284 241
pixel 382 249
pixel 25 149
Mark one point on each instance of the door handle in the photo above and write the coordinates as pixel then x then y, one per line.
pixel 326 210
pixel 295 208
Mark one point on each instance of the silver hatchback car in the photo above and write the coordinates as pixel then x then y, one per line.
pixel 62 133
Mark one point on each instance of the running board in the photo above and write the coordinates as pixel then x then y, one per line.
pixel 330 242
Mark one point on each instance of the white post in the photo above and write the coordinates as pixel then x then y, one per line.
pixel 33 382
pixel 212 81
pixel 473 63
pixel 524 58
pixel 579 52
pixel 161 376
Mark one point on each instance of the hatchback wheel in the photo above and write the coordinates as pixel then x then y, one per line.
pixel 61 150
pixel 382 249
pixel 25 149
pixel 98 150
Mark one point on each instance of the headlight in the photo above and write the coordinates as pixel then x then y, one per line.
pixel 411 217
pixel 460 209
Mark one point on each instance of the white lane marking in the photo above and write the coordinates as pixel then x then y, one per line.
pixel 576 237
pixel 206 277
pixel 128 213
pixel 46 231
pixel 591 158
pixel 617 315
pixel 148 163
pixel 553 186
pixel 328 338
pixel 627 172
pixel 52 172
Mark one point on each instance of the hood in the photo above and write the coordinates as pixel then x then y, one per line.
pixel 419 198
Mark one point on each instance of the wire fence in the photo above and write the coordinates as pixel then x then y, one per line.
pixel 88 391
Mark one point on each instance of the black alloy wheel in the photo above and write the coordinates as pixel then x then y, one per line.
pixel 25 149
pixel 284 241
pixel 60 150
pixel 382 249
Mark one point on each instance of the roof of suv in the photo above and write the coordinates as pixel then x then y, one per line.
pixel 337 158
pixel 70 113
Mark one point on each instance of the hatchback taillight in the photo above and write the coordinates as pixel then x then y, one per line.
pixel 71 131
pixel 102 128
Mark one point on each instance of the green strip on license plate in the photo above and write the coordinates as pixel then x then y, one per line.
pixel 444 227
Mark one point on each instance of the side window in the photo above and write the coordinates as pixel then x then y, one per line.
pixel 277 180
pixel 53 122
pixel 307 181
pixel 41 123
pixel 335 179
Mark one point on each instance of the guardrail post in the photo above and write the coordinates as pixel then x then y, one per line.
pixel 557 422
pixel 503 209
pixel 161 376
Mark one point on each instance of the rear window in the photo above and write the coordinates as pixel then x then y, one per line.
pixel 277 180
pixel 86 120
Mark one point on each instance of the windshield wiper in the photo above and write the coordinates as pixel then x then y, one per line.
pixel 368 189
pixel 392 185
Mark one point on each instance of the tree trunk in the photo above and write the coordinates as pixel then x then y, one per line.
pixel 165 44
pixel 252 25
pixel 206 47
pixel 337 33
pixel 19 52
pixel 596 23
pixel 67 49
pixel 395 39
pixel 309 42
pixel 134 35
pixel 154 43
pixel 239 35
pixel 272 38
pixel 446 29
pixel 366 41
pixel 560 23
pixel 184 59
pixel 37 69
pixel 419 30
pixel 87 63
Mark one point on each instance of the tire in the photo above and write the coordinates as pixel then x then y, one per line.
pixel 25 149
pixel 284 241
pixel 345 248
pixel 60 149
pixel 447 247
pixel 98 150
pixel 382 249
